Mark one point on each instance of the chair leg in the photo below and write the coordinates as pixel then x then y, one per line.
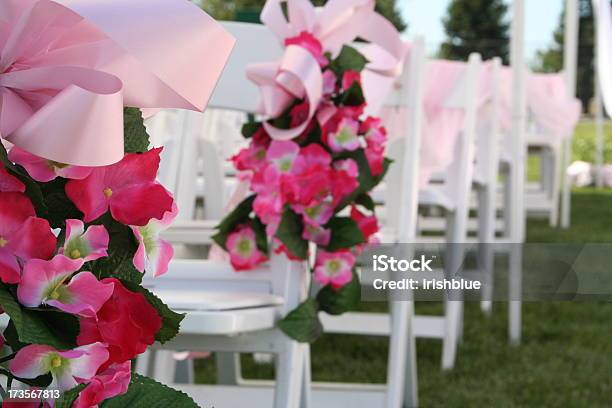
pixel 184 372
pixel 143 363
pixel 228 368
pixel 514 303
pixel 486 236
pixel 164 367
pixel 306 398
pixel 451 333
pixel 555 188
pixel 289 374
pixel 401 366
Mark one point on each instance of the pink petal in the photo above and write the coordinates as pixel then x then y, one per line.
pixel 138 204
pixel 15 208
pixel 74 172
pixel 37 167
pixel 87 295
pixel 10 183
pixel 91 244
pixel 86 366
pixel 160 258
pixel 34 240
pixel 9 268
pixel 28 363
pixel 140 257
pixel 134 169
pixel 88 194
pixel 40 276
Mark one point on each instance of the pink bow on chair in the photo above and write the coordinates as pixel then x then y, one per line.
pixel 298 74
pixel 68 67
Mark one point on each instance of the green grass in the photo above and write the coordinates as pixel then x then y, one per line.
pixel 564 360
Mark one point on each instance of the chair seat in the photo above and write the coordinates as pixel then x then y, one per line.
pixel 222 313
pixel 435 195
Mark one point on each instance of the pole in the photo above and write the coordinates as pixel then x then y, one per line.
pixel 599 114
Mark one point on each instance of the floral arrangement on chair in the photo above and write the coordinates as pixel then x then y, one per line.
pixel 80 216
pixel 313 161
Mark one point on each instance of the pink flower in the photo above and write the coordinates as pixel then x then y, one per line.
pixel 52 283
pixel 112 382
pixel 283 155
pixel 345 137
pixel 67 368
pixel 153 253
pixel 307 41
pixel 344 180
pixel 376 160
pixel 310 180
pixel 128 188
pixel 243 250
pixel 9 183
pixel 299 113
pixel 348 78
pixel 368 224
pixel 86 245
pixel 375 132
pixel 23 236
pixel 318 213
pixel 253 157
pixel 334 268
pixel 44 170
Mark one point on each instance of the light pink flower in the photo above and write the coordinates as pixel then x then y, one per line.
pixel 318 213
pixel 112 382
pixel 283 155
pixel 154 254
pixel 375 132
pixel 86 245
pixel 243 250
pixel 345 137
pixel 67 368
pixel 23 236
pixel 10 183
pixel 329 82
pixel 128 188
pixel 52 283
pixel 334 268
pixel 44 170
pixel 307 41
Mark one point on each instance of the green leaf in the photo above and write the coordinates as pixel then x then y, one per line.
pixel 261 238
pixel 68 397
pixel 60 207
pixel 336 302
pixel 289 232
pixel 345 233
pixel 366 180
pixel 250 128
pixel 238 216
pixel 171 321
pixel 366 201
pixel 49 327
pixel 144 392
pixel 302 324
pixel 135 137
pixel 349 59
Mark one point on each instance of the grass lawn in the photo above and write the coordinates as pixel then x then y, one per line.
pixel 565 359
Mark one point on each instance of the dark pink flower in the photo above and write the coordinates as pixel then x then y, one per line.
pixel 299 113
pixel 44 170
pixel 307 41
pixel 368 224
pixel 376 160
pixel 329 82
pixel 23 236
pixel 10 183
pixel 242 248
pixel 375 133
pixel 345 137
pixel 128 188
pixel 112 382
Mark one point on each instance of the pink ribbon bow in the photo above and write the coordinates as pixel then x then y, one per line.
pixel 298 74
pixel 68 67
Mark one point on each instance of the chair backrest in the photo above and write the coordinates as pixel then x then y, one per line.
pixel 459 178
pixel 404 148
pixel 488 138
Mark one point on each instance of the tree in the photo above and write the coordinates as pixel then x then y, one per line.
pixel 231 9
pixel 551 60
pixel 476 26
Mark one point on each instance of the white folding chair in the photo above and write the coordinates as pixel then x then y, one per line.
pixel 232 312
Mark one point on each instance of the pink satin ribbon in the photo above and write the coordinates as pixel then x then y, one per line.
pixel 298 74
pixel 68 67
